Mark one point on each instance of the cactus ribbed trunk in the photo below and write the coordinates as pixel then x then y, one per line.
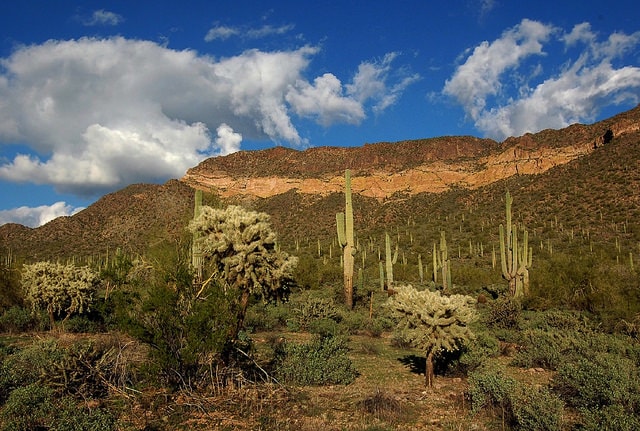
pixel 197 258
pixel 515 258
pixel 388 260
pixel 344 222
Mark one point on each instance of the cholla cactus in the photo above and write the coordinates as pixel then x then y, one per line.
pixel 61 290
pixel 240 246
pixel 432 322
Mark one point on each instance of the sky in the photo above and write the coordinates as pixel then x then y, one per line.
pixel 97 95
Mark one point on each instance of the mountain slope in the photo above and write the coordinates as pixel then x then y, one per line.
pixel 577 171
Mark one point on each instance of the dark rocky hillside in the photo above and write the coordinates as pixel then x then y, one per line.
pixel 588 176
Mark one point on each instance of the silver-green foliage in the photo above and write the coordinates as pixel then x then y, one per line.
pixel 240 245
pixel 61 290
pixel 431 321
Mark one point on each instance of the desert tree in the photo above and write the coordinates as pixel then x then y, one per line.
pixel 239 247
pixel 432 322
pixel 61 290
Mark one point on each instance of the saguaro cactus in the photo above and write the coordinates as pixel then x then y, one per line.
pixel 197 258
pixel 344 224
pixel 441 262
pixel 444 263
pixel 515 258
pixel 389 261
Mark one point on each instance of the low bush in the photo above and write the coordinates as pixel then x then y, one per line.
pixel 535 409
pixel 313 309
pixel 384 407
pixel 542 349
pixel 503 313
pixel 602 379
pixel 267 317
pixel 614 417
pixel 322 361
pixel 36 407
pixel 490 388
pixel 475 353
pixel 28 408
pixel 522 406
pixel 17 319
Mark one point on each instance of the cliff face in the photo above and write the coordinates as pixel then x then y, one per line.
pixel 380 170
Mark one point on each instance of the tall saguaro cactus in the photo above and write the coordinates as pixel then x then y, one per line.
pixel 442 262
pixel 389 261
pixel 197 258
pixel 515 258
pixel 344 223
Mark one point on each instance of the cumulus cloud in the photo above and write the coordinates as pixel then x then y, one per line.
pixel 101 113
pixel 103 17
pixel 573 93
pixel 37 216
pixel 228 141
pixel 324 100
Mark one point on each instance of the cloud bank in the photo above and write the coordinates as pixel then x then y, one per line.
pixel 574 93
pixel 99 114
pixel 37 216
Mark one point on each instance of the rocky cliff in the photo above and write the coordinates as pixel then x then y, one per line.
pixel 381 170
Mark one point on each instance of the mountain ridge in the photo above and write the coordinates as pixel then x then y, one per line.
pixel 390 182
pixel 379 170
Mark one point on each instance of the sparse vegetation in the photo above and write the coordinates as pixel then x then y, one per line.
pixel 148 344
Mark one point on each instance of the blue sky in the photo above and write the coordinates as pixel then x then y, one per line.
pixel 96 95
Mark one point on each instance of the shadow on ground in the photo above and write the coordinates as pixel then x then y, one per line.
pixel 415 363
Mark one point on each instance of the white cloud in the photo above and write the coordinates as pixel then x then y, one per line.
pixel 223 32
pixel 228 141
pixel 372 79
pixel 103 17
pixel 480 76
pixel 101 113
pixel 37 216
pixel 579 88
pixel 324 100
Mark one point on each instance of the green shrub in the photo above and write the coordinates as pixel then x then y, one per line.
pixel 185 334
pixel 72 417
pixel 84 368
pixel 81 324
pixel 267 317
pixel 17 319
pixel 566 320
pixel 542 349
pixel 28 408
pixel 325 327
pixel 524 407
pixel 322 361
pixel 490 388
pixel 535 409
pixel 39 363
pixel 504 313
pixel 36 407
pixel 602 379
pixel 314 309
pixel 613 417
pixel 475 353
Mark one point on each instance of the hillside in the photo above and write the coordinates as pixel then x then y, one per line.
pixel 576 173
